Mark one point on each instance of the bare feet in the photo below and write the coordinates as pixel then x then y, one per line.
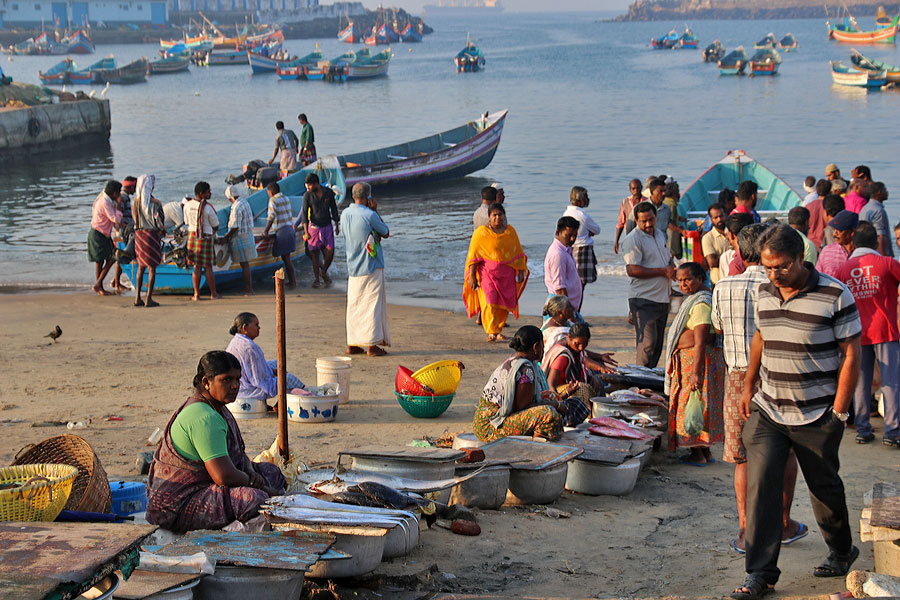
pixel 98 289
pixel 500 338
pixel 491 337
pixel 354 350
pixel 215 297
pixel 195 298
pixel 317 284
pixel 249 293
pixel 376 351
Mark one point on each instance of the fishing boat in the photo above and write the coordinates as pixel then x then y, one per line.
pixel 221 57
pixel 844 75
pixel 864 63
pixel 370 66
pixel 734 63
pixel 447 155
pixel 774 198
pixel 768 41
pixel 377 38
pixel 470 59
pixel 714 52
pixel 299 67
pixel 765 61
pixel 91 74
pixel 79 43
pixel 849 32
pixel 882 19
pixel 199 43
pixel 45 45
pixel 688 40
pixel 350 34
pixel 25 47
pixel 788 43
pixel 666 42
pixel 173 276
pixel 58 74
pixel 168 64
pixel 410 34
pixel 265 63
pixel 133 72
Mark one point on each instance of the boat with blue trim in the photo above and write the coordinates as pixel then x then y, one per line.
pixel 841 74
pixel 734 63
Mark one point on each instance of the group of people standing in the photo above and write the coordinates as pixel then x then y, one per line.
pixel 296 153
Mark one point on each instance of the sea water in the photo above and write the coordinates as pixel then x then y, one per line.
pixel 589 104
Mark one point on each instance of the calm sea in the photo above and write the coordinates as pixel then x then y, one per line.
pixel 589 104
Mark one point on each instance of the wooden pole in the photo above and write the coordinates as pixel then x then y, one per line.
pixel 283 449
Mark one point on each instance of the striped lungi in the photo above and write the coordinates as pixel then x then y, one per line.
pixel 308 154
pixel 148 247
pixel 586 261
pixel 100 247
pixel 243 248
pixel 200 249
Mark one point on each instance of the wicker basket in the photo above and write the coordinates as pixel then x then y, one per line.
pixel 41 493
pixel 424 407
pixel 90 492
pixel 442 377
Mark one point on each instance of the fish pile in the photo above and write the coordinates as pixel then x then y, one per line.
pixel 638 397
pixel 614 428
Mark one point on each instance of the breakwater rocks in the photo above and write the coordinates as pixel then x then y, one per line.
pixel 30 130
pixel 663 10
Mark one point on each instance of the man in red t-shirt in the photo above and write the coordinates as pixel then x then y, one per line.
pixel 873 280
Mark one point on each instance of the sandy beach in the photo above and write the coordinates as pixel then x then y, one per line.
pixel 670 537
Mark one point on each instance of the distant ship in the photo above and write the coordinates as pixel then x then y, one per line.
pixel 463 7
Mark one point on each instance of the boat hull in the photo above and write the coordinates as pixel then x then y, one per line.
pixel 736 69
pixel 165 67
pixel 468 156
pixel 763 70
pixel 885 35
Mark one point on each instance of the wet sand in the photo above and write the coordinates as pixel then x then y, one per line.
pixel 670 537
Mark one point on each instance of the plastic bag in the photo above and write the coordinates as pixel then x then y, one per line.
pixel 693 415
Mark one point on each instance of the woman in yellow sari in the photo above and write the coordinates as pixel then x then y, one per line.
pixel 496 273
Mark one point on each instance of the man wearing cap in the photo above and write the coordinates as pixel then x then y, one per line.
pixel 874 213
pixel 489 195
pixel 832 172
pixel 833 256
pixel 240 235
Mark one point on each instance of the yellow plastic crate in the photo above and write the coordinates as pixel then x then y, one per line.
pixel 41 493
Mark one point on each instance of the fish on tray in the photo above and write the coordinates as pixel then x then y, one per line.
pixel 614 428
pixel 341 483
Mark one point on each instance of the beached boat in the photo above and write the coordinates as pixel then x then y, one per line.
pixel 350 34
pixel 768 41
pixel 447 155
pixel 849 32
pixel 734 63
pixel 774 197
pixel 788 42
pixel 133 72
pixel 688 40
pixel 470 59
pixel 714 52
pixel 844 75
pixel 864 63
pixel 58 74
pixel 665 42
pixel 79 43
pixel 765 61
pixel 91 74
pixel 410 34
pixel 169 64
pixel 174 277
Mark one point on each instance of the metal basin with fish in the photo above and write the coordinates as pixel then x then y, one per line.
pixel 240 583
pixel 620 410
pixel 543 486
pixel 407 469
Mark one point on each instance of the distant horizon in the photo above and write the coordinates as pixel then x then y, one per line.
pixel 518 6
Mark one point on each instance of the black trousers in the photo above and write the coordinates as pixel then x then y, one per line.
pixel 816 446
pixel 649 329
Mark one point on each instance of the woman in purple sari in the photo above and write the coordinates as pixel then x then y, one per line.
pixel 201 478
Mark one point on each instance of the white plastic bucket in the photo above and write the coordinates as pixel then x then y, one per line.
pixel 335 369
pixel 245 408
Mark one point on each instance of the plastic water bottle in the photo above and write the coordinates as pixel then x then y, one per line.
pixel 77 424
pixel 155 437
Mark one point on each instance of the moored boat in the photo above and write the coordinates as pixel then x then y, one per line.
pixel 45 45
pixel 765 61
pixel 665 42
pixel 60 73
pixel 844 75
pixel 714 52
pixel 79 43
pixel 91 74
pixel 882 19
pixel 25 47
pixel 410 34
pixel 850 33
pixel 447 155
pixel 300 67
pixel 734 63
pixel 377 38
pixel 768 41
pixel 864 63
pixel 350 34
pixel 370 66
pixel 173 276
pixel 788 42
pixel 133 72
pixel 470 59
pixel 688 39
pixel 220 57
pixel 774 198
pixel 169 64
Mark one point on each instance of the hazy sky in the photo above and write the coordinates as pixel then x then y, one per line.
pixel 415 6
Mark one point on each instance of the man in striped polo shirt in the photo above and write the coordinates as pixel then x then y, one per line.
pixel 805 355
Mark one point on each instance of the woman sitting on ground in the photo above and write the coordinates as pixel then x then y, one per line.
pixel 258 376
pixel 201 477
pixel 565 366
pixel 517 399
pixel 559 315
pixel 694 362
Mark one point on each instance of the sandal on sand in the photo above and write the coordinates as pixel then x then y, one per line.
pixel 801 533
pixel 354 350
pixel 837 565
pixel 376 351
pixel 736 547
pixel 755 587
pixel 138 302
pixel 152 303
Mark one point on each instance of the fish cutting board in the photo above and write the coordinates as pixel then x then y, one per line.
pixel 146 583
pixel 886 505
pixel 437 455
pixel 529 455
pixel 604 450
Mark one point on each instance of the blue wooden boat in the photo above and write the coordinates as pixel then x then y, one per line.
pixel 844 75
pixel 734 63
pixel 768 41
pixel 287 67
pixel 378 37
pixel 133 72
pixel 470 59
pixel 45 45
pixel 788 42
pixel 410 34
pixel 79 43
pixel 174 277
pixel 714 52
pixel 367 67
pixel 58 74
pixel 864 63
pixel 91 74
pixel 168 64
pixel 774 198
pixel 765 61
pixel 350 34
pixel 666 42
pixel 447 155
pixel 688 40
pixel 221 57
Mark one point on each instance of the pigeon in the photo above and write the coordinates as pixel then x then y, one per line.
pixel 53 335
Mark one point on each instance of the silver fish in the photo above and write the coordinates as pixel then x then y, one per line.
pixel 344 481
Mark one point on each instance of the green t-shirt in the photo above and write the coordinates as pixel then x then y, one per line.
pixel 199 433
pixel 307 136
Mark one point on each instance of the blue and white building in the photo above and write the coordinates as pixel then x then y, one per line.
pixel 80 13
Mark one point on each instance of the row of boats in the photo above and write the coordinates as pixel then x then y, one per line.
pixel 105 70
pixel 864 72
pixel 673 40
pixel 764 61
pixel 44 45
pixel 381 34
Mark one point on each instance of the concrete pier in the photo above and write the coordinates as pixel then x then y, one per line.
pixel 52 127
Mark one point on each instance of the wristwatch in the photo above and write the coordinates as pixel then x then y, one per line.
pixel 842 416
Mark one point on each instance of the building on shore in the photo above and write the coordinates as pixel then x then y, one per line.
pixel 81 13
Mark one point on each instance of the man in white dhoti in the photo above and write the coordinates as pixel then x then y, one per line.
pixel 363 230
pixel 288 144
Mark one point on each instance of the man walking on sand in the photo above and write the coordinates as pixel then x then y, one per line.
pixel 202 223
pixel 733 317
pixel 105 216
pixel 560 270
pixel 805 357
pixel 281 220
pixel 316 217
pixel 648 264
pixel 363 230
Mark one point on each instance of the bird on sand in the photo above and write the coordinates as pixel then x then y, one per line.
pixel 53 335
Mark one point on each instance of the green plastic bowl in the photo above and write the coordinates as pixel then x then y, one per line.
pixel 424 407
